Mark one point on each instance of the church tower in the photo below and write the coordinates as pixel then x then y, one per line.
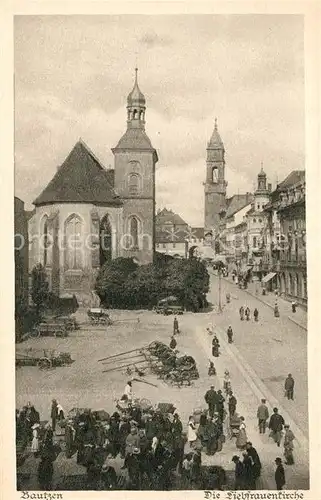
pixel 135 160
pixel 262 193
pixel 215 184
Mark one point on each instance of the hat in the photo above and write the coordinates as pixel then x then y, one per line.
pixel 35 426
pixel 278 460
pixel 286 426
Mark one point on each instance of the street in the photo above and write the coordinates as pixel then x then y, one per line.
pixel 262 355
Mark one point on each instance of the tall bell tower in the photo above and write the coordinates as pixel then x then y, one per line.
pixel 215 184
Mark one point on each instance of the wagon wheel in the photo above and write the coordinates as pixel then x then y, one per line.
pixel 35 332
pixel 44 363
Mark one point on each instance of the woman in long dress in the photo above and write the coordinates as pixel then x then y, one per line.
pixel 241 439
pixel 35 439
pixel 191 433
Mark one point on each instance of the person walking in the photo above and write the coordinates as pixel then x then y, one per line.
pixel 211 399
pixel 215 347
pixel 230 335
pixel 228 298
pixel 238 473
pixel 227 382
pixel 257 466
pixel 276 311
pixel 247 313
pixel 249 479
pixel 241 439
pixel 262 416
pixel 279 474
pixel 289 386
pixel 173 343
pixel 175 326
pixel 256 314
pixel 232 402
pixel 288 445
pixel 293 305
pixel 276 425
pixel 241 311
pixel 211 369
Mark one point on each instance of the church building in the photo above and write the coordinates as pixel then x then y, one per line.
pixel 88 215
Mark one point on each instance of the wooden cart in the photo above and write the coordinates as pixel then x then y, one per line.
pixel 53 329
pixel 43 358
pixel 98 316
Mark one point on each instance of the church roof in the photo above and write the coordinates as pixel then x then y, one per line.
pixel 215 141
pixel 168 216
pixel 135 138
pixel 80 179
pixel 237 202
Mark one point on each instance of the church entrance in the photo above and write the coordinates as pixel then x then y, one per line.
pixel 105 240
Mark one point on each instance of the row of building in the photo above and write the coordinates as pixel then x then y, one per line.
pixel 88 214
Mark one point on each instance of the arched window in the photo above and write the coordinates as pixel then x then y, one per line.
pixel 134 231
pixel 135 113
pixel 73 243
pixel 141 115
pixel 215 174
pixel 254 241
pixel 44 241
pixel 134 184
pixel 105 240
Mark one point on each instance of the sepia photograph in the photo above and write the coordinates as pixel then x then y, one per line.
pixel 161 283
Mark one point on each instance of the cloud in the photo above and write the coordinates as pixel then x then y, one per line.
pixel 152 39
pixel 73 75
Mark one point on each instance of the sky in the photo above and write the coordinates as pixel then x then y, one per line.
pixel 73 75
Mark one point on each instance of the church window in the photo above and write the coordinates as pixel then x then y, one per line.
pixel 215 174
pixel 73 239
pixel 134 184
pixel 141 115
pixel 254 242
pixel 135 113
pixel 45 241
pixel 133 229
pixel 164 245
pixel 174 245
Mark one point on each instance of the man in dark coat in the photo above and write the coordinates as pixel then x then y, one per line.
pixel 279 474
pixel 249 475
pixel 54 414
pixel 220 404
pixel 176 426
pixel 230 335
pixel 257 466
pixel 45 474
pixel 211 399
pixel 262 415
pixel 289 386
pixel 232 402
pixel 276 425
pixel 124 430
pixel 256 314
pixel 239 473
pixel 175 326
pixel 215 347
pixel 173 343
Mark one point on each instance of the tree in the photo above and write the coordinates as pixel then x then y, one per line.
pixel 111 280
pixel 40 288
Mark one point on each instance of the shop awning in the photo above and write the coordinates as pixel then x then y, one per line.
pixel 268 277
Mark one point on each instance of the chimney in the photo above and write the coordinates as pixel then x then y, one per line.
pixel 269 187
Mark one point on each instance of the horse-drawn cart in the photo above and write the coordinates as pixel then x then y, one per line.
pixel 99 316
pixel 53 328
pixel 43 358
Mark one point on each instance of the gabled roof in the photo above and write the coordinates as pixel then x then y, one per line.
pixel 80 179
pixel 295 177
pixel 168 216
pixel 237 202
